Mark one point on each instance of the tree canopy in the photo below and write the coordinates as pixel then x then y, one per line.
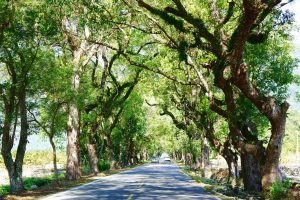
pixel 126 80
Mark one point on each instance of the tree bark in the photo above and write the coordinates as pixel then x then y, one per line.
pixel 73 161
pixel 251 172
pixel 15 167
pixel 111 155
pixel 79 49
pixel 231 161
pixel 92 150
pixel 54 157
pixel 15 176
pixel 93 158
pixel 204 156
pixel 271 172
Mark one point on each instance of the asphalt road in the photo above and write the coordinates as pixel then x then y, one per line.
pixel 152 181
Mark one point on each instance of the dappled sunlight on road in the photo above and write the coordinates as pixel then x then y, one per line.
pixel 152 181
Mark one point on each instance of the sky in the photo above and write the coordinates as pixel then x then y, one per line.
pixel 295 8
pixel 38 143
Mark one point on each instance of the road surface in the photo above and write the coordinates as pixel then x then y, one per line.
pixel 152 181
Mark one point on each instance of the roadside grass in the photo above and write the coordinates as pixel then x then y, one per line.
pixel 4 190
pixel 49 184
pixel 224 191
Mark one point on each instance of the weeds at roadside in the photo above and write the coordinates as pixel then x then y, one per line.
pixel 224 191
pixel 33 182
pixel 279 190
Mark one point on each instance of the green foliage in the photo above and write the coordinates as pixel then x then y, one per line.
pixel 129 136
pixel 104 165
pixel 124 126
pixel 271 66
pixel 279 189
pixel 29 182
pixel 183 45
pixel 4 190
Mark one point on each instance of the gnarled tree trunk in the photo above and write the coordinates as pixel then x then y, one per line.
pixel 251 172
pixel 271 172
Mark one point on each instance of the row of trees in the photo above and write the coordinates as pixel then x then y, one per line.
pixel 74 67
pixel 238 55
pixel 58 78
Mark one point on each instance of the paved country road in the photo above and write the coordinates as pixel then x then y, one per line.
pixel 152 181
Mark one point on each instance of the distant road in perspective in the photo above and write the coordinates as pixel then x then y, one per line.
pixel 151 181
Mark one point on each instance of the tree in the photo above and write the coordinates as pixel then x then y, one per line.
pixel 228 50
pixel 51 122
pixel 21 54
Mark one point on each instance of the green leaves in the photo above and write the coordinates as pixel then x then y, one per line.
pixel 271 66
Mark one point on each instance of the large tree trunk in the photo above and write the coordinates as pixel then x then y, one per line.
pixel 92 150
pixel 54 157
pixel 251 172
pixel 93 158
pixel 73 160
pixel 16 182
pixel 18 165
pixel 15 179
pixel 271 172
pixel 276 112
pixel 70 29
pixel 15 167
pixel 14 173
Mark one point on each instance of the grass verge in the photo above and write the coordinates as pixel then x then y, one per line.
pixel 223 191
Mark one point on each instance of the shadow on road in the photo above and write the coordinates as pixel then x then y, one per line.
pixel 153 181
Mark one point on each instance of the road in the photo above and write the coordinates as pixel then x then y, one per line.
pixel 151 181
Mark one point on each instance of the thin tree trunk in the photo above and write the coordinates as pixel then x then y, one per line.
pixel 111 155
pixel 204 157
pixel 183 156
pixel 236 174
pixel 131 153
pixel 54 157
